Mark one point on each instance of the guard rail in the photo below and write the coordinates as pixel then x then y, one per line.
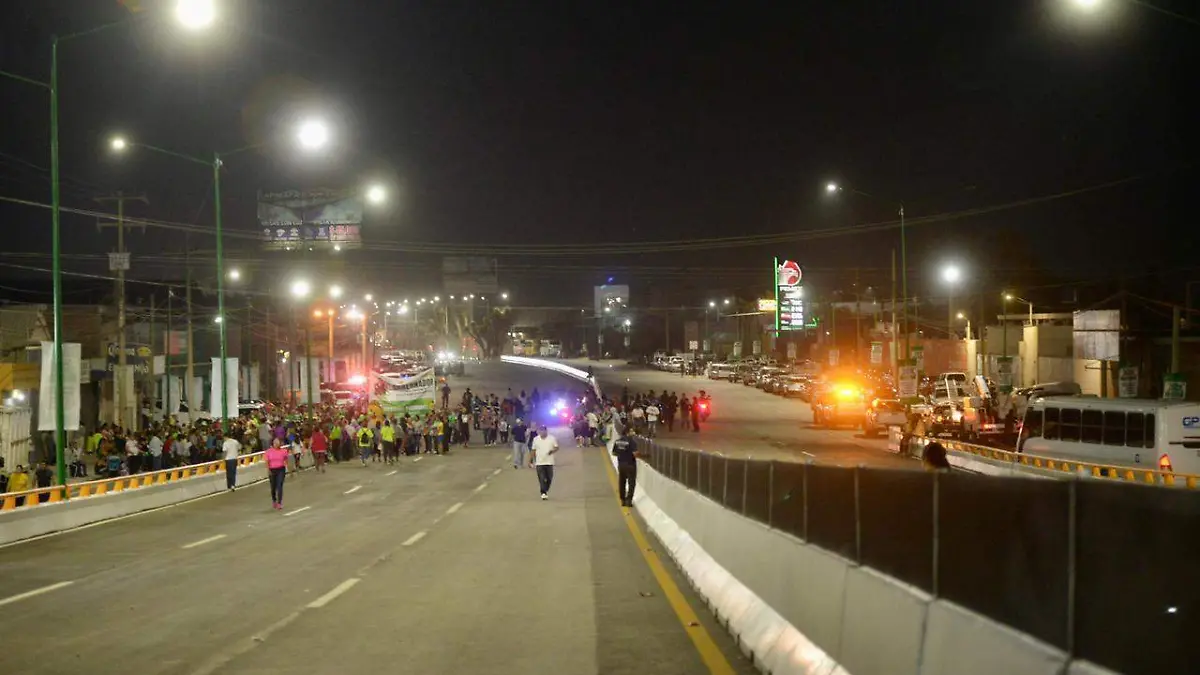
pixel 11 501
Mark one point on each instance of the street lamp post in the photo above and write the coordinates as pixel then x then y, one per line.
pixel 951 274
pixel 300 289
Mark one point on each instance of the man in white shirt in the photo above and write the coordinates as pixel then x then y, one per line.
pixel 231 448
pixel 542 457
pixel 593 422
pixel 652 413
pixel 156 449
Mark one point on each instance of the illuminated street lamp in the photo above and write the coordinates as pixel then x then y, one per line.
pixel 191 13
pixel 313 134
pixel 235 274
pixel 376 194
pixel 335 291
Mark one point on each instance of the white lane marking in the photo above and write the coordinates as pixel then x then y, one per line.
pixel 302 508
pixel 416 459
pixel 454 508
pixel 36 591
pixel 481 487
pixel 414 539
pixel 356 488
pixel 496 472
pixel 392 473
pixel 331 595
pixel 202 542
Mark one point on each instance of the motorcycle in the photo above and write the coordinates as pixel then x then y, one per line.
pixel 705 404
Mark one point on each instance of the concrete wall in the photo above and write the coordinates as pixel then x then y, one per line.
pixel 34 521
pixel 795 608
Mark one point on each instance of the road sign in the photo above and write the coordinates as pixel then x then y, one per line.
pixel 1127 382
pixel 118 262
pixel 693 345
pixel 908 382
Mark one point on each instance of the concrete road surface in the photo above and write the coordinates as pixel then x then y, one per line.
pixel 435 565
pixel 746 422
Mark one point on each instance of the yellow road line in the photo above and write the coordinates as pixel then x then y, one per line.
pixel 710 653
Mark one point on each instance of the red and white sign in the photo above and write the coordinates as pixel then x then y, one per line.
pixel 789 274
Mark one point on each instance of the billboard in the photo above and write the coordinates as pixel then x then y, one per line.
pixel 789 296
pixel 320 217
pixel 464 276
pixel 1097 334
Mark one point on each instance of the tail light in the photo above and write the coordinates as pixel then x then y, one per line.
pixel 1164 463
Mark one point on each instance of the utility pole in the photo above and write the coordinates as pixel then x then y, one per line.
pixel 167 357
pixel 895 344
pixel 857 321
pixel 193 406
pixel 120 263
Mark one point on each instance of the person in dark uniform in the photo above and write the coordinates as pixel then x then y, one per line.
pixel 626 451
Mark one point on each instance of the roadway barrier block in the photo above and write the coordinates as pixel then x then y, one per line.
pixel 959 641
pixel 794 654
pixel 882 625
pixel 162 478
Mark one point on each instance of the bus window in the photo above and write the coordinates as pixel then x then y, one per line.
pixel 1069 419
pixel 1114 428
pixel 1149 440
pixel 1093 426
pixel 1050 428
pixel 1032 426
pixel 1135 424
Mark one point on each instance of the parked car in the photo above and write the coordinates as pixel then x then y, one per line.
pixel 791 386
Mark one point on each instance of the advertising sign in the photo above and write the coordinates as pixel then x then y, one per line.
pixel 907 386
pixel 757 347
pixel 789 296
pixel 462 276
pixel 1004 373
pixel 1174 387
pixel 1127 382
pixel 320 217
pixel 767 305
pixel 231 398
pixel 737 350
pixel 918 358
pixel 137 356
pixel 876 353
pixel 693 345
pixel 791 351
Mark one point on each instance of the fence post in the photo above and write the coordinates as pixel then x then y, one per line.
pixel 857 517
pixel 725 482
pixel 804 485
pixel 771 494
pixel 745 482
pixel 1072 562
pixel 937 544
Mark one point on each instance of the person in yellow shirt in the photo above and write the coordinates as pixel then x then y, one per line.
pixel 388 433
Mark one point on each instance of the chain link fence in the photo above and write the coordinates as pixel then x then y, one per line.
pixel 1105 572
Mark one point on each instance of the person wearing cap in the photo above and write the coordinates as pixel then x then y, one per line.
pixel 544 446
pixel 519 431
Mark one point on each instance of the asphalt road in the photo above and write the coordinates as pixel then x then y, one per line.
pixel 746 422
pixel 446 564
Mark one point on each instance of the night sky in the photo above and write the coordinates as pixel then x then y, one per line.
pixel 569 123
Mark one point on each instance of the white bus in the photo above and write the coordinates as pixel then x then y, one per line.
pixel 1142 433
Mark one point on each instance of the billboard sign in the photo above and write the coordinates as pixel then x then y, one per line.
pixel 320 217
pixel 137 357
pixel 767 305
pixel 789 296
pixel 464 276
pixel 1097 334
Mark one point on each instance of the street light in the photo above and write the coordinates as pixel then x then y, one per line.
pixel 313 134
pixel 235 274
pixel 952 275
pixel 118 143
pixel 368 297
pixel 1087 4
pixel 195 14
pixel 376 194
pixel 504 295
pixel 963 317
pixel 300 290
pixel 335 291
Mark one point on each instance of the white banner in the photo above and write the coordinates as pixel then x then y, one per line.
pixel 196 395
pixel 47 408
pixel 231 371
pixel 255 385
pixel 168 388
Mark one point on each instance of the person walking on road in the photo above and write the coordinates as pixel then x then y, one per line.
pixel 519 431
pixel 231 449
pixel 544 447
pixel 277 461
pixel 320 448
pixel 626 451
pixel 365 439
pixel 694 410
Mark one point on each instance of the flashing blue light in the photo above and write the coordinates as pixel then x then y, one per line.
pixel 610 280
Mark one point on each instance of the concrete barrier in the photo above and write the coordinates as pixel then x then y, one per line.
pixel 883 622
pixel 47 518
pixel 958 640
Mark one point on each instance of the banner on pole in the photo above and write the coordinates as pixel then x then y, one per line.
pixel 169 386
pixel 231 401
pixel 196 395
pixel 47 408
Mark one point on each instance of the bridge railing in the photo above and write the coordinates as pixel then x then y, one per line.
pixel 1103 570
pixel 11 501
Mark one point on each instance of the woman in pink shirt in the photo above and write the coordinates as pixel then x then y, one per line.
pixel 277 460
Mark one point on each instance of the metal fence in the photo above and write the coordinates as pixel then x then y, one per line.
pixel 1103 571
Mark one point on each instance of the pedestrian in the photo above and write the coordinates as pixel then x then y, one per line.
pixel 364 443
pixel 388 432
pixel 695 411
pixel 320 448
pixel 625 449
pixel 231 449
pixel 544 446
pixel 503 427
pixel 519 439
pixel 277 461
pixel 44 478
pixel 652 413
pixel 933 457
